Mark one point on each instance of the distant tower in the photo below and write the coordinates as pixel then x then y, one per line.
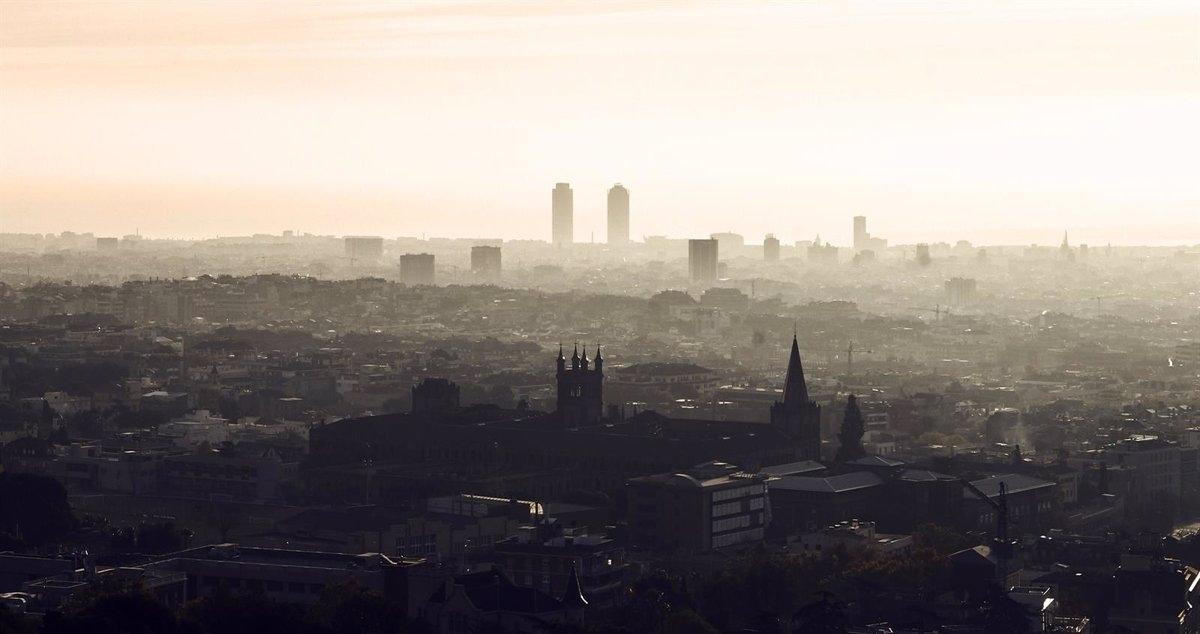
pixel 771 248
pixel 796 416
pixel 485 261
pixel 1065 249
pixel 860 233
pixel 434 397
pixel 563 218
pixel 702 261
pixel 580 389
pixel 416 269
pixel 618 215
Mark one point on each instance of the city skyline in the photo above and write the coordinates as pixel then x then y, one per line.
pixel 204 120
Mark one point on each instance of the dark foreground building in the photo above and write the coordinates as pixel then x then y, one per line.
pixel 537 455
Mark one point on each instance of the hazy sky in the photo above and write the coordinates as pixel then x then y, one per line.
pixel 989 121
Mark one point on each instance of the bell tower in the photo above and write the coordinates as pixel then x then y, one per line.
pixel 580 389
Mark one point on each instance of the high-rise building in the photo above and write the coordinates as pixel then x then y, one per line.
pixel 416 269
pixel 860 233
pixel 702 261
pixel 563 214
pixel 618 215
pixel 863 240
pixel 485 261
pixel 364 247
pixel 771 248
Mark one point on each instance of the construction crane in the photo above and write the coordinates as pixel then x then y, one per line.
pixel 831 353
pixel 1000 543
pixel 937 310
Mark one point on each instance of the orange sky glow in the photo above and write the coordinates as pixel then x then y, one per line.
pixel 996 122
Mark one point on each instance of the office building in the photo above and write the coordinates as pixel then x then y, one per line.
pixel 863 240
pixel 771 248
pixel 702 261
pixel 416 269
pixel 485 261
pixel 708 507
pixel 107 244
pixel 364 247
pixel 563 218
pixel 618 215
pixel 860 232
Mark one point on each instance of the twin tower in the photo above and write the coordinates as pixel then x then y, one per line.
pixel 581 400
pixel 562 202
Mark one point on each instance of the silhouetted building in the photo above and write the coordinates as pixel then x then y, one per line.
pixel 618 215
pixel 364 247
pixel 771 248
pixel 434 397
pixel 485 261
pixel 580 389
pixel 563 214
pixel 416 269
pixel 107 244
pixel 818 252
pixel 796 416
pixel 702 261
pixel 923 257
pixel 708 507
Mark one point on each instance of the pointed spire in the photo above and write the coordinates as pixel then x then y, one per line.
pixel 575 358
pixel 560 352
pixel 573 594
pixel 599 360
pixel 795 389
pixel 583 361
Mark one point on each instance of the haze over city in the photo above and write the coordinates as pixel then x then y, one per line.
pixel 628 317
pixel 996 122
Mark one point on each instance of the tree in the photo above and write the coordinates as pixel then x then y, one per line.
pixel 686 621
pixel 112 609
pixel 826 615
pixel 851 434
pixel 351 609
pixel 34 507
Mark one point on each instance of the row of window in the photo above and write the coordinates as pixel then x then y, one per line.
pixel 738 492
pixel 729 539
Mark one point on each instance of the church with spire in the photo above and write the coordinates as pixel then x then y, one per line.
pixel 580 445
pixel 797 416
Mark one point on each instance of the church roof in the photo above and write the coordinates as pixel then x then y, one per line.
pixel 795 389
pixel 842 483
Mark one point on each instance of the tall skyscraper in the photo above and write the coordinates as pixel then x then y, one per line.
pixel 618 215
pixel 563 219
pixel 860 233
pixel 702 261
pixel 863 241
pixel 771 248
pixel 416 269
